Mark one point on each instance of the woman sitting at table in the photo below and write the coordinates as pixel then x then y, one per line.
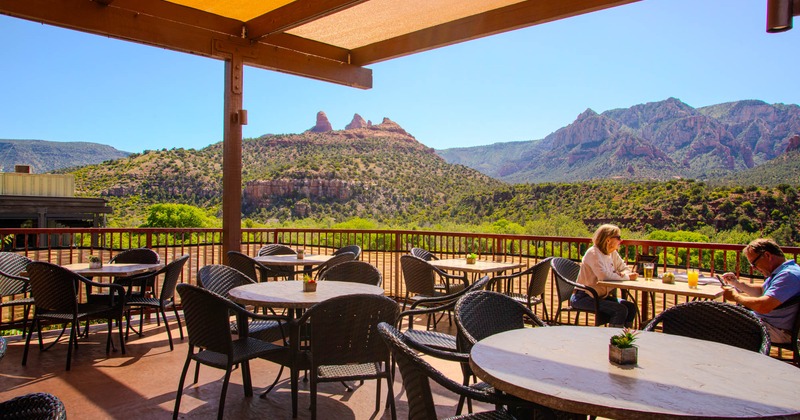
pixel 603 262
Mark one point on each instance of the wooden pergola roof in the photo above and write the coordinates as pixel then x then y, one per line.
pixel 330 40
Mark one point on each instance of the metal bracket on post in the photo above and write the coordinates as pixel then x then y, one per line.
pixel 236 54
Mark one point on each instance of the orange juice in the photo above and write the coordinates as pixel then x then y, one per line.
pixel 692 276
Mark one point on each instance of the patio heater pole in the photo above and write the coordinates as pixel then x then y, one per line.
pixel 232 155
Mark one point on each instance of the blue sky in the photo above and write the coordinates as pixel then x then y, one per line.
pixel 63 85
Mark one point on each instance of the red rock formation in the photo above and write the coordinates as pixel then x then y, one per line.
pixel 357 122
pixel 336 189
pixel 794 143
pixel 323 125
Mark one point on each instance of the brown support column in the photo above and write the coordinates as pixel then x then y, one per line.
pixel 232 158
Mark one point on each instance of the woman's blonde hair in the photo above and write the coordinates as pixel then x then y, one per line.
pixel 601 236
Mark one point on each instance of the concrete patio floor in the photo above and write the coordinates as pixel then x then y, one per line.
pixel 143 383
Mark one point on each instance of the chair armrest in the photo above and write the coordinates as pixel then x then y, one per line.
pixel 452 356
pixel 22 284
pixel 115 290
pixel 411 313
pixel 242 315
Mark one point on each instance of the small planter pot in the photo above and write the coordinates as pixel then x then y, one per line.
pixel 309 286
pixel 301 254
pixel 626 356
pixel 471 260
pixel 95 264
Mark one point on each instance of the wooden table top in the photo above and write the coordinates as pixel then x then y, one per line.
pixel 113 270
pixel 703 291
pixel 567 368
pixel 289 294
pixel 460 264
pixel 292 259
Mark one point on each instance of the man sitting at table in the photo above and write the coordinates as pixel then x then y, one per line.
pixel 782 283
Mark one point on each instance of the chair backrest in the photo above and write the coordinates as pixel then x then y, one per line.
pixel 416 373
pixel 566 274
pixel 355 249
pixel 423 254
pixel 220 279
pixel 39 405
pixel 643 258
pixel 354 272
pixel 714 321
pixel 344 329
pixel 54 288
pixel 11 264
pixel 335 260
pixel 418 275
pixel 172 274
pixel 276 249
pixel 539 275
pixel 482 313
pixel 207 317
pixel 136 255
pixel 244 263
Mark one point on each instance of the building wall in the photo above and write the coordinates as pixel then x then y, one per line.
pixel 41 185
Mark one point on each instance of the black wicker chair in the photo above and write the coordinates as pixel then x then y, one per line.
pixel 36 406
pixel 276 270
pixel 208 326
pixel 344 343
pixel 416 373
pixel 431 306
pixel 55 291
pixel 172 273
pixel 220 279
pixel 423 254
pixel 353 271
pixel 566 273
pixel 355 249
pixel 145 282
pixel 420 279
pixel 792 345
pixel 318 270
pixel 534 280
pixel 3 347
pixel 714 321
pixel 250 267
pixel 12 284
pixel 482 313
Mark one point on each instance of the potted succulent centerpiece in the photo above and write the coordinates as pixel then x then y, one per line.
pixel 621 349
pixel 309 284
pixel 95 261
pixel 472 258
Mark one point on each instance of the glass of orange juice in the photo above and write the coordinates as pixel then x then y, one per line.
pixel 692 277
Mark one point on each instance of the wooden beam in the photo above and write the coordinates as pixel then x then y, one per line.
pixel 119 23
pixel 515 16
pixel 179 13
pixel 294 14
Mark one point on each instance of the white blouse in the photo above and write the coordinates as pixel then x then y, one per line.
pixel 597 266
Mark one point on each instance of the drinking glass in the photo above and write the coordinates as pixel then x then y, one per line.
pixel 692 277
pixel 648 271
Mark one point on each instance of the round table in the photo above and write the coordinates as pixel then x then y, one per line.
pixel 289 294
pixel 567 368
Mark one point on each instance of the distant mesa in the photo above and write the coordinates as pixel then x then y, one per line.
pixel 357 122
pixel 323 125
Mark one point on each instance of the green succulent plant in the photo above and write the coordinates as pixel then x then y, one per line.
pixel 625 339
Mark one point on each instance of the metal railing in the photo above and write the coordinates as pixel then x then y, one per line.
pixel 381 248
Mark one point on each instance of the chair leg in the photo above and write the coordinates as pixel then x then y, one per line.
pixel 166 326
pixel 73 339
pixel 121 341
pixel 196 371
pixel 313 397
pixel 108 339
pixel 390 396
pixel 224 391
pixel 178 318
pixel 295 376
pixel 180 384
pixel 28 341
pixel 246 380
pixel 378 396
pixel 25 319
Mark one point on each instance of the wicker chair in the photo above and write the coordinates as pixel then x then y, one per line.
pixel 145 282
pixel 419 277
pixel 11 284
pixel 416 374
pixel 535 280
pixel 3 347
pixel 714 321
pixel 220 279
pixel 355 249
pixel 566 273
pixel 431 306
pixel 344 343
pixel 36 406
pixel 318 270
pixel 277 270
pixel 172 273
pixel 353 271
pixel 56 295
pixel 792 345
pixel 423 254
pixel 250 267
pixel 482 313
pixel 208 326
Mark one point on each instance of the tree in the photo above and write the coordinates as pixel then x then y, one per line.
pixel 178 216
